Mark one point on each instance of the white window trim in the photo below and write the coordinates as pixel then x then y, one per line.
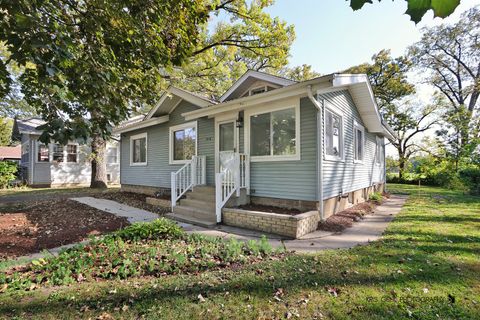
pixel 186 125
pixel 358 126
pixel 117 154
pixel 280 105
pixel 37 144
pixel 377 155
pixel 65 153
pixel 135 137
pixel 337 112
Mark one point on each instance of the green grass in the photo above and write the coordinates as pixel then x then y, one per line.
pixel 25 190
pixel 426 267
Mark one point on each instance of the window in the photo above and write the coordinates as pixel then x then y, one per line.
pixel 112 157
pixel 333 136
pixel 359 142
pixel 379 152
pixel 72 153
pixel 43 154
pixel 57 154
pixel 138 149
pixel 183 142
pixel 274 135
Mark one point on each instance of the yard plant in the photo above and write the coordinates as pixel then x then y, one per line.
pixel 8 169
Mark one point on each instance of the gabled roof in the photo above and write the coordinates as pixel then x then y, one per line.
pixel 28 126
pixel 249 78
pixel 11 152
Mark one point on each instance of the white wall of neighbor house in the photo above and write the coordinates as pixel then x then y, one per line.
pixel 344 175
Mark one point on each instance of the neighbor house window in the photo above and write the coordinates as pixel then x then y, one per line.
pixel 138 149
pixel 112 157
pixel 57 154
pixel 359 142
pixel 183 142
pixel 43 154
pixel 72 153
pixel 333 135
pixel 275 134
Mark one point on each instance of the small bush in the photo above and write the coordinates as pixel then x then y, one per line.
pixel 375 196
pixel 471 178
pixel 158 229
pixel 8 169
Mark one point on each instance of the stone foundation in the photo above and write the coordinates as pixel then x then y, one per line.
pixel 281 224
pixel 301 205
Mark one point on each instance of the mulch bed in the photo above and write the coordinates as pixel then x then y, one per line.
pixel 132 199
pixel 270 209
pixel 33 226
pixel 345 219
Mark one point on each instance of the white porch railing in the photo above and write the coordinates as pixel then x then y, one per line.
pixel 233 177
pixel 191 174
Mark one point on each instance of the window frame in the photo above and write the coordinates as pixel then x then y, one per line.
pixel 66 152
pixel 378 151
pixel 54 145
pixel 358 126
pixel 281 105
pixel 37 148
pixel 171 131
pixel 132 139
pixel 329 157
pixel 116 155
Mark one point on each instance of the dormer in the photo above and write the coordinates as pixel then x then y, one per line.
pixel 252 83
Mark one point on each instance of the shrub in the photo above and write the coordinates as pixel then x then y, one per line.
pixel 158 229
pixel 8 169
pixel 471 178
pixel 375 196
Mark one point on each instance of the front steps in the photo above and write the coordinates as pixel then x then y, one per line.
pixel 197 208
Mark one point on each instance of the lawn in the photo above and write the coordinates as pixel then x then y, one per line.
pixel 426 267
pixel 24 191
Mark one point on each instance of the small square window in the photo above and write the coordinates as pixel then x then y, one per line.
pixel 57 154
pixel 72 153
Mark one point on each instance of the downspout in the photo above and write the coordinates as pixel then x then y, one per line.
pixel 319 107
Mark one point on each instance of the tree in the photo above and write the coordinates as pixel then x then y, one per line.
pixel 299 73
pixel 5 131
pixel 390 85
pixel 449 55
pixel 92 63
pixel 417 9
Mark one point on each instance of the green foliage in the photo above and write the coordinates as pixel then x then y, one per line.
pixel 157 248
pixel 5 131
pixel 8 169
pixel 471 178
pixel 417 8
pixel 376 197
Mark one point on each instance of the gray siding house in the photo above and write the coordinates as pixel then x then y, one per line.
pixel 56 165
pixel 316 144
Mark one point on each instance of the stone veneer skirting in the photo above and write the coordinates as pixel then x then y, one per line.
pixel 281 224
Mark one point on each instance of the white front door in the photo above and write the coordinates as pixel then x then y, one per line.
pixel 227 143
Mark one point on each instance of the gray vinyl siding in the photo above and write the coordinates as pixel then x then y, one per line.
pixel 345 176
pixel 157 172
pixel 291 179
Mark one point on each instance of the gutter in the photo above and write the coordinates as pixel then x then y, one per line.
pixel 319 107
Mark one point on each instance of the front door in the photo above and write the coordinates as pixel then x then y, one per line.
pixel 227 144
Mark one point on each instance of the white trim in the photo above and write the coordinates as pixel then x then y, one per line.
pixel 358 126
pixel 332 109
pixel 136 137
pixel 65 152
pixel 37 143
pixel 279 105
pixel 142 124
pixel 257 75
pixel 236 140
pixel 171 130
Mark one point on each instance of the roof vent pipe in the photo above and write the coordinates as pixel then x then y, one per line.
pixel 319 107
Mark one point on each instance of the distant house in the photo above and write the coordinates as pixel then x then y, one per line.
pixel 317 145
pixel 55 164
pixel 10 153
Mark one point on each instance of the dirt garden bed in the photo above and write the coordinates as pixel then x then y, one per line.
pixel 270 209
pixel 136 200
pixel 30 227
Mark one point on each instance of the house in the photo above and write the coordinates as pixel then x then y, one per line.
pixel 10 154
pixel 54 164
pixel 312 145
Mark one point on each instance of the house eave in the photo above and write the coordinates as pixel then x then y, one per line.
pixel 142 124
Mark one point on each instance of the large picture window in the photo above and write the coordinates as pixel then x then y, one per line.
pixel 274 135
pixel 43 154
pixel 359 142
pixel 333 135
pixel 183 142
pixel 138 149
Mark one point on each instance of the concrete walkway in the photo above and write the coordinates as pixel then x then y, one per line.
pixel 122 210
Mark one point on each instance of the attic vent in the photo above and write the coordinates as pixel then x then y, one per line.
pixel 258 90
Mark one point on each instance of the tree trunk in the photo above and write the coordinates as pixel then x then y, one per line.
pixel 401 164
pixel 99 166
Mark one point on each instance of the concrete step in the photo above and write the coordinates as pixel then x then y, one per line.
pixel 201 204
pixel 208 197
pixel 202 214
pixel 191 220
pixel 204 189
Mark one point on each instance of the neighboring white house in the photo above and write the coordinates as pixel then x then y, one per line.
pixel 316 144
pixel 59 165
